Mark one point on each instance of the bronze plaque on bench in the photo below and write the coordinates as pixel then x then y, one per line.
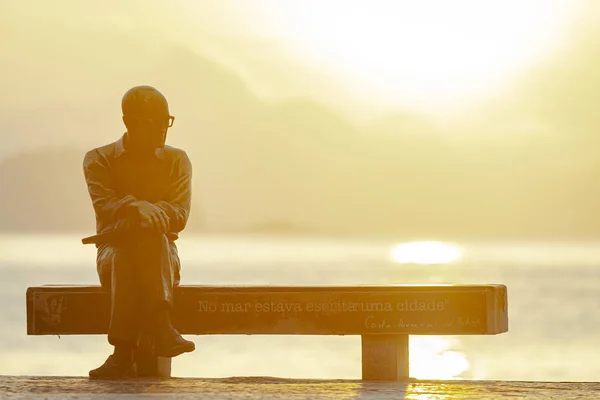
pixel 332 312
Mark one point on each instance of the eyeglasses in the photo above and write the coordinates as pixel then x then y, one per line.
pixel 155 122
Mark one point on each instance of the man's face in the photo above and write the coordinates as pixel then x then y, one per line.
pixel 149 130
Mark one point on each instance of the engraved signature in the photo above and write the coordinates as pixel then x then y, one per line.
pixel 372 322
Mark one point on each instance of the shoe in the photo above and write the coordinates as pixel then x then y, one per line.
pixel 172 344
pixel 113 369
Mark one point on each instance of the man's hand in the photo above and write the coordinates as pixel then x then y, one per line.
pixel 125 223
pixel 151 216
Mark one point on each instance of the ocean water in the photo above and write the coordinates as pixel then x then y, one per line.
pixel 553 302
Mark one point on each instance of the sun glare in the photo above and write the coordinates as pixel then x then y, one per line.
pixel 428 252
pixel 431 357
pixel 422 54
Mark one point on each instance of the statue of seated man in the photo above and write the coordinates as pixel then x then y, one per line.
pixel 140 190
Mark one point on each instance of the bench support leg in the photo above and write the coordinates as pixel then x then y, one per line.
pixel 385 357
pixel 149 365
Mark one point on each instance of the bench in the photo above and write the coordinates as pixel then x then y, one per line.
pixel 384 316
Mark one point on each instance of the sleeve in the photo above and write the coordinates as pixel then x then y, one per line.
pixel 107 205
pixel 178 201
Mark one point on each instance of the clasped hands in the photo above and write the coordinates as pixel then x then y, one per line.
pixel 144 214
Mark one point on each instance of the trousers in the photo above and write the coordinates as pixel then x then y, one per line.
pixel 140 275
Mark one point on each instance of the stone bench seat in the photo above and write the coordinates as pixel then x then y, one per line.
pixel 384 316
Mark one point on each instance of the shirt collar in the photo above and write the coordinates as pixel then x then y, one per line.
pixel 120 148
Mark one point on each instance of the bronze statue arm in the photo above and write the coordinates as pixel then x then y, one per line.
pixel 178 201
pixel 107 205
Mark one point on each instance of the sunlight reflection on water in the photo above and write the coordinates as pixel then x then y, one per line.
pixel 425 252
pixel 432 357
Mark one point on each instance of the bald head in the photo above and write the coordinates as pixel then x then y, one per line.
pixel 146 116
pixel 144 101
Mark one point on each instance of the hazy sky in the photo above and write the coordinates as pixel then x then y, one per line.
pixel 267 96
pixel 359 56
pixel 427 55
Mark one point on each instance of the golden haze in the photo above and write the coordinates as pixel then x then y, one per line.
pixel 286 137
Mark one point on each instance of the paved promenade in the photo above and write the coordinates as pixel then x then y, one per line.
pixel 290 389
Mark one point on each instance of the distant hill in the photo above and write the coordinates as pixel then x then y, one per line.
pixel 44 190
